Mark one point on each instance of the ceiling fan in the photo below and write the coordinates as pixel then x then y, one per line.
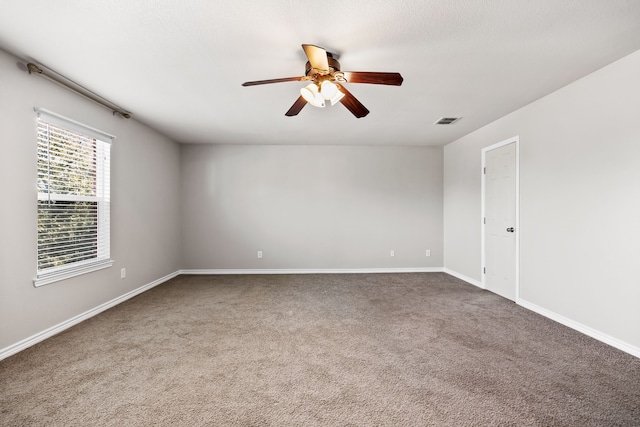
pixel 323 71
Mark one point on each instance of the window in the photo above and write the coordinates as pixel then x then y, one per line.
pixel 73 198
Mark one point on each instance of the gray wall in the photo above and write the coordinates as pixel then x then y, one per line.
pixel 144 209
pixel 311 207
pixel 579 200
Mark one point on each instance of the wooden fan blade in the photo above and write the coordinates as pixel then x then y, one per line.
pixel 265 82
pixel 352 104
pixel 393 79
pixel 317 57
pixel 296 107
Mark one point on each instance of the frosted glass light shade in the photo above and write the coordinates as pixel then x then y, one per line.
pixel 311 94
pixel 328 89
pixel 337 97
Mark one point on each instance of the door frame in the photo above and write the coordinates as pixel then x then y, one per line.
pixel 485 150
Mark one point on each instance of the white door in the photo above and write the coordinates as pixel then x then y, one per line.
pixel 500 220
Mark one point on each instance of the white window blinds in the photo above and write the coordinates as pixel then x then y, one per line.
pixel 73 198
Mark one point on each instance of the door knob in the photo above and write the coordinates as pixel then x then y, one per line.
pixel 511 229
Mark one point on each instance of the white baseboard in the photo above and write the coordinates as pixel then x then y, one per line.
pixel 467 279
pixel 614 342
pixel 41 336
pixel 311 270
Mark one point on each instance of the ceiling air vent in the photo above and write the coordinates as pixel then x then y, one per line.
pixel 447 120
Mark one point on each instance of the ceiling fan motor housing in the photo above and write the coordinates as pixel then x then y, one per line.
pixel 334 66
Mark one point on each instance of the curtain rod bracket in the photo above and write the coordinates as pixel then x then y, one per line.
pixel 33 68
pixel 122 114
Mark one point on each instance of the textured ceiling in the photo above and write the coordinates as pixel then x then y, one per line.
pixel 178 65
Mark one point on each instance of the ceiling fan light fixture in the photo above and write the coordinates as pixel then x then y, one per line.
pixel 312 95
pixel 337 97
pixel 328 89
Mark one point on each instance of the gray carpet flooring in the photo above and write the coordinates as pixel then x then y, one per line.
pixel 319 350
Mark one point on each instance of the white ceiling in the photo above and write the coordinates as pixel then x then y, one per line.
pixel 178 65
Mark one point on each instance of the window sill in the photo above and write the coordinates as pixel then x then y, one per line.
pixel 56 276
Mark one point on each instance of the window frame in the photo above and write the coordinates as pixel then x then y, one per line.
pixel 102 258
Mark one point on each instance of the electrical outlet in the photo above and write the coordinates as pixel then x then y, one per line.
pixel 123 273
pixel 259 254
pixel 428 252
pixel 392 253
